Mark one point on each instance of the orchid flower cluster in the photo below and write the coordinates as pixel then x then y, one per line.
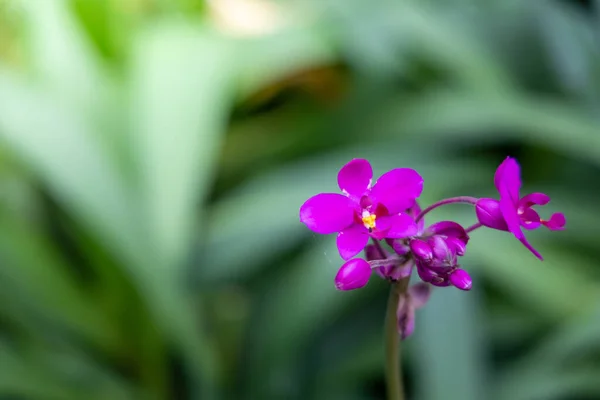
pixel 388 214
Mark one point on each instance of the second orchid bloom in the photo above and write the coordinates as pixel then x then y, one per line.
pixel 387 213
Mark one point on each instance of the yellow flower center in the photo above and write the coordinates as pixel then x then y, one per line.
pixel 368 220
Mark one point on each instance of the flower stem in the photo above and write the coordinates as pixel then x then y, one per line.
pixel 460 199
pixel 393 368
pixel 473 227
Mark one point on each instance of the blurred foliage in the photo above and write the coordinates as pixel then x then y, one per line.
pixel 154 154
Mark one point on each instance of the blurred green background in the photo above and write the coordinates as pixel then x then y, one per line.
pixel 154 154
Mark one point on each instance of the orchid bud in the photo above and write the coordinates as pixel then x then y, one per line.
pixel 489 214
pixel 421 249
pixel 354 274
pixel 461 279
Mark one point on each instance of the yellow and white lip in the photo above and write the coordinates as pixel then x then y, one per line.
pixel 368 219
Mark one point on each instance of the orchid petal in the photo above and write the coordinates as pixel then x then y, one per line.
pixel 457 246
pixel 450 229
pixel 405 315
pixel 508 175
pixel 440 282
pixel 556 222
pixel 414 211
pixel 419 294
pixel 398 189
pixel 327 213
pixel 509 213
pixel 512 219
pixel 425 274
pixel 530 219
pixel 352 241
pixel 531 199
pixel 440 248
pixel 373 253
pixel 397 226
pixel 398 272
pixel 355 177
pixel 421 249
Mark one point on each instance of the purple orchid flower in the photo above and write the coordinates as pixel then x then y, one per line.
pixel 415 298
pixel 361 211
pixel 512 212
pixel 436 255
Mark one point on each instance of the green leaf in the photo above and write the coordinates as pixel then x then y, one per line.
pixel 62 56
pixel 449 348
pixel 181 88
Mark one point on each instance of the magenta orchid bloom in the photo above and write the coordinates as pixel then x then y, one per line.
pixel 512 212
pixel 361 211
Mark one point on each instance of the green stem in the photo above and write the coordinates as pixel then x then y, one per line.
pixel 393 368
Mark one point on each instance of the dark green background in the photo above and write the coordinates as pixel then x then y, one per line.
pixel 154 154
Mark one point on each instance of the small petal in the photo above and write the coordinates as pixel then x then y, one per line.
pixel 508 175
pixel 405 315
pixel 513 221
pixel 397 272
pixel 461 279
pixel 419 294
pixel 457 246
pixel 414 211
pixel 440 282
pixel 489 214
pixel 556 222
pixel 355 177
pixel 365 202
pixel 327 213
pixel 373 253
pixel 509 213
pixel 354 274
pixel 352 241
pixel 421 249
pixel 530 219
pixel 531 199
pixel 398 189
pixel 399 246
pixel 440 248
pixel 425 274
pixel 397 226
pixel 450 229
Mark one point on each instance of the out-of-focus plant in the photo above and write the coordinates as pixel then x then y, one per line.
pixel 154 154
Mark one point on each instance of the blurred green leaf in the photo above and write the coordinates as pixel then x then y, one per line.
pixel 62 57
pixel 448 326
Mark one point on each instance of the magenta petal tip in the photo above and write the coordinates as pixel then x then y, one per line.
pixel 556 222
pixel 461 279
pixel 354 274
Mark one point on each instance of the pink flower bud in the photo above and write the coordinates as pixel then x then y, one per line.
pixel 421 249
pixel 461 279
pixel 354 274
pixel 489 214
